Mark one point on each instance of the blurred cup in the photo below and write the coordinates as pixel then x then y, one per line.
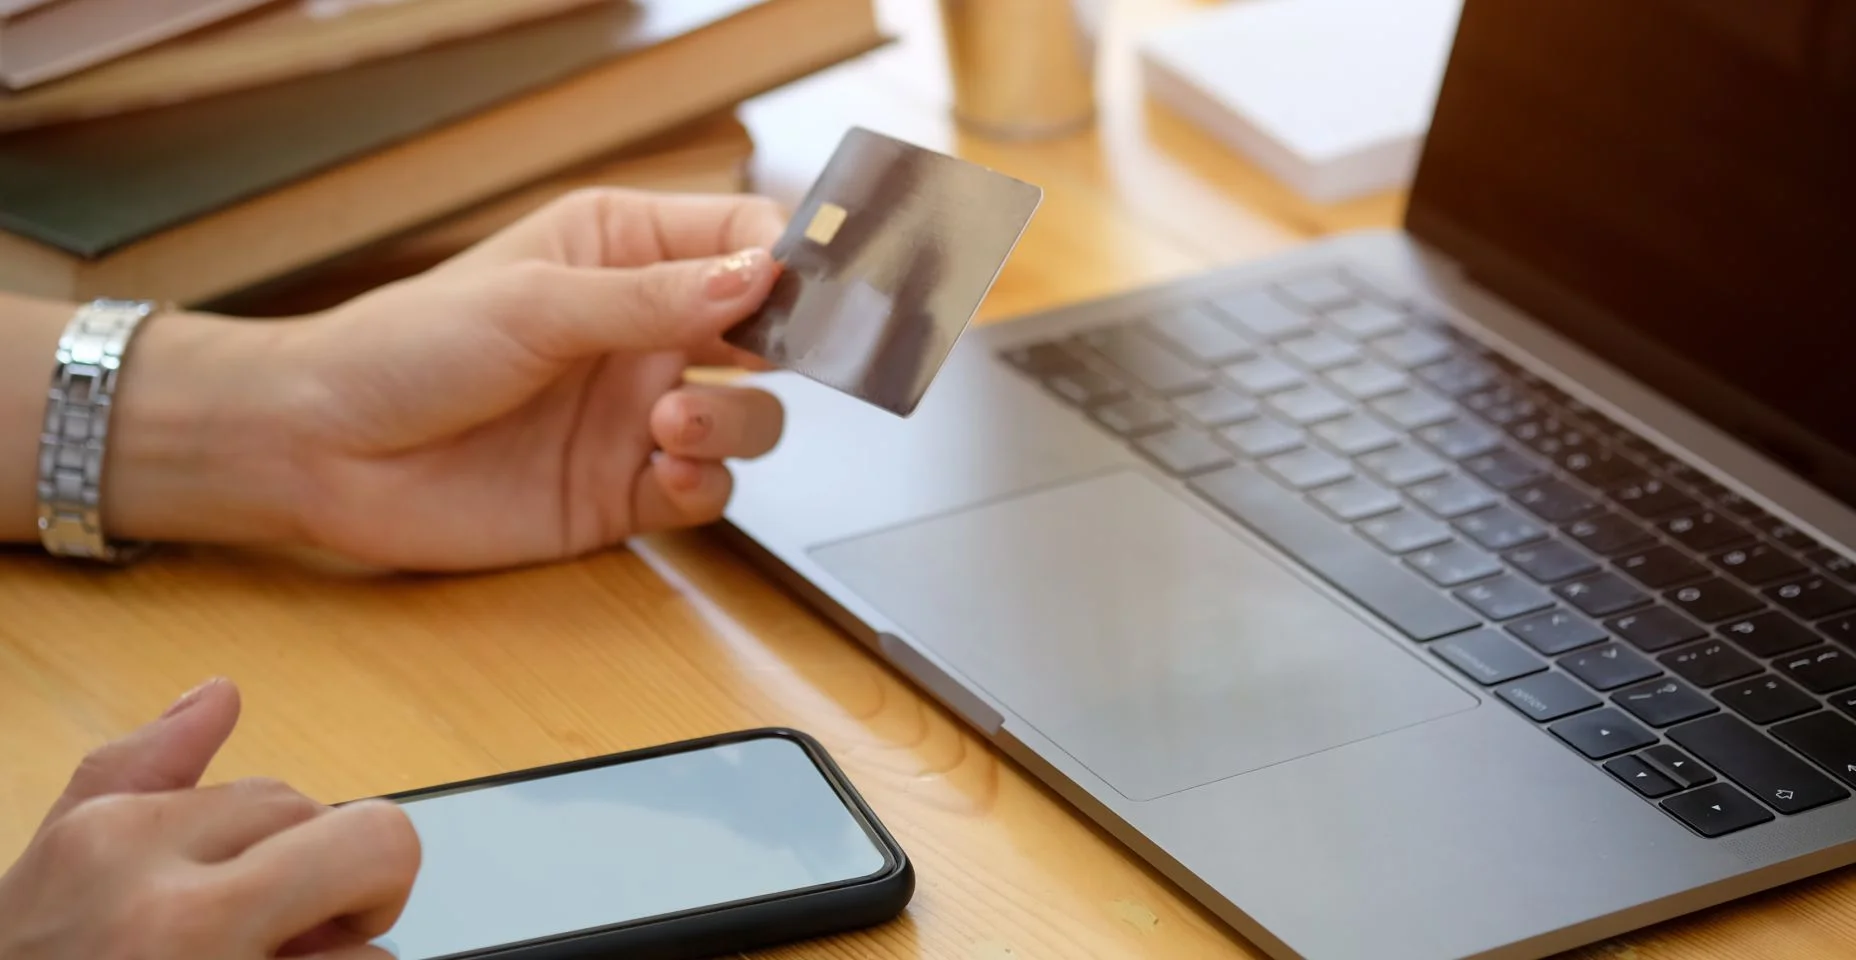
pixel 1022 69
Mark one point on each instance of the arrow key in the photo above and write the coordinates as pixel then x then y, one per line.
pixel 1641 777
pixel 1677 766
pixel 1602 733
pixel 1716 810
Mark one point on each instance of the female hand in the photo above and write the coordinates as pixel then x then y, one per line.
pixel 135 861
pixel 521 403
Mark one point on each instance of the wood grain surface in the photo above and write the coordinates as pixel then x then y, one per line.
pixel 359 686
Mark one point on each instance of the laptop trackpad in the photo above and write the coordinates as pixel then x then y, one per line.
pixel 1159 650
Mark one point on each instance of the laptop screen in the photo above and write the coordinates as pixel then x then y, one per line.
pixel 1671 183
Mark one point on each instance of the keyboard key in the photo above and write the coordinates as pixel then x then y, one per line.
pixel 1500 528
pixel 1677 766
pixel 1608 533
pixel 1356 499
pixel 1403 465
pixel 1356 434
pixel 1503 404
pixel 1461 439
pixel 1713 600
pixel 1845 701
pixel 1709 664
pixel 1602 595
pixel 1505 469
pixel 1451 496
pixel 1812 598
pixel 1505 597
pixel 1826 738
pixel 1783 533
pixel 1134 416
pixel 1766 770
pixel 1319 350
pixel 1086 387
pixel 1758 564
pixel 1834 563
pixel 1841 629
pixel 1546 697
pixel 1263 375
pixel 1412 409
pixel 1262 315
pixel 1556 632
pixel 1767 634
pixel 1262 437
pixel 1602 733
pixel 1321 291
pixel 1217 407
pixel 1660 567
pixel 1413 348
pixel 1458 375
pixel 1641 777
pixel 1660 703
pixel 1717 810
pixel 1608 667
pixel 1308 468
pixel 1405 531
pixel 1043 359
pixel 1657 628
pixel 1737 505
pixel 1551 562
pixel 1141 357
pixel 1199 335
pixel 1367 379
pixel 1334 553
pixel 1820 669
pixel 1454 563
pixel 1600 467
pixel 1555 502
pixel 1487 657
pixel 1367 319
pixel 1652 498
pixel 1308 404
pixel 1183 452
pixel 1765 699
pixel 1703 530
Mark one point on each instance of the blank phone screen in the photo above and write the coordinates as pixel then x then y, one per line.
pixel 538 858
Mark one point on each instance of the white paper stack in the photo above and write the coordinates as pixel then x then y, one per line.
pixel 1333 97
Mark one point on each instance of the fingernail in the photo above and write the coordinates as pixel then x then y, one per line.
pixel 188 699
pixel 696 428
pixel 734 274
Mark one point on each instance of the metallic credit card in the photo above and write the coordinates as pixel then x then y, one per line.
pixel 884 265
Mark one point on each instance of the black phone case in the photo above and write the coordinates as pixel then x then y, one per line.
pixel 726 928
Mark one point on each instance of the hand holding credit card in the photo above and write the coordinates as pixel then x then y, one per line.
pixel 884 265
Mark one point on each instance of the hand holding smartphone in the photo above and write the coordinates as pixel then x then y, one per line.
pixel 679 852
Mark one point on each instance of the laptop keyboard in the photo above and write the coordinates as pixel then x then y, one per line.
pixel 1699 649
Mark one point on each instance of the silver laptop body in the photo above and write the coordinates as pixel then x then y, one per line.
pixel 1229 632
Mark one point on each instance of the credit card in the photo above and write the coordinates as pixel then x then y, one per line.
pixel 884 264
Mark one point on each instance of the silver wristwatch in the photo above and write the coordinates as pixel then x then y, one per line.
pixel 76 433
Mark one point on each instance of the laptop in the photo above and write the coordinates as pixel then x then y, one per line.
pixel 1481 588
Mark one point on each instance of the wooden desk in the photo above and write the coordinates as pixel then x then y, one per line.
pixel 359 687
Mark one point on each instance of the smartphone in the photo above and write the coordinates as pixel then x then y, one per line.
pixel 690 850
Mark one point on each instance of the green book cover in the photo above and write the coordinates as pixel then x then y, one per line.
pixel 91 187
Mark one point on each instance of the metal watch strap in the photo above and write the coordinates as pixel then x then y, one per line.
pixel 76 434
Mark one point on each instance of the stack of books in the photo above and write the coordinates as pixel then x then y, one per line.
pixel 206 151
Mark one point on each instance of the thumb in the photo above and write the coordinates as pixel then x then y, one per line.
pixel 566 313
pixel 171 753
